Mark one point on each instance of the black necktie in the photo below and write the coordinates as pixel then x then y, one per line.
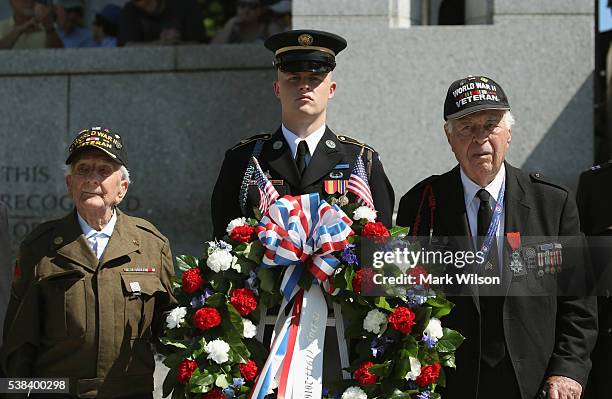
pixel 491 303
pixel 300 159
pixel 485 215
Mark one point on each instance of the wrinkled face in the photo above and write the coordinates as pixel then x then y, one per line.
pixel 148 6
pixel 304 92
pixel 23 8
pixel 96 183
pixel 480 141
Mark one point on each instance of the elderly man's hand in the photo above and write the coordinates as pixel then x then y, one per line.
pixel 560 387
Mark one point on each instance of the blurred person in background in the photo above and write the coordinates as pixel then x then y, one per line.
pixel 70 24
pixel 30 26
pixel 161 22
pixel 106 24
pixel 247 26
pixel 278 15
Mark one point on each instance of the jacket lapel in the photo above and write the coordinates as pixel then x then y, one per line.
pixel 69 241
pixel 123 241
pixel 280 160
pixel 517 210
pixel 323 160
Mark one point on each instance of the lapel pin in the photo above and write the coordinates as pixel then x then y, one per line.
pixel 277 145
pixel 58 240
pixel 330 143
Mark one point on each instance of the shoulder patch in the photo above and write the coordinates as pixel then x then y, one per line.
pixel 261 136
pixel 350 140
pixel 538 178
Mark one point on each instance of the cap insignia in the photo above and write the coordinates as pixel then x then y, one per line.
pixel 305 39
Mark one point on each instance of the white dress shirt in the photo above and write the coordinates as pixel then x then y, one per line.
pixel 472 203
pixel 98 240
pixel 311 141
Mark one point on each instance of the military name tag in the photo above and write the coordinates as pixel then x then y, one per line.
pixel 139 269
pixel 275 182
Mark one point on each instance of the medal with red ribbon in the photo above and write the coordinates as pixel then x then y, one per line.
pixel 516 264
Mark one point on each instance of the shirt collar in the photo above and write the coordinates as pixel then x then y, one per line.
pixel 470 188
pixel 89 231
pixel 311 141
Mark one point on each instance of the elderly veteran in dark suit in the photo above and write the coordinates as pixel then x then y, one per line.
pixel 520 344
pixel 92 284
pixel 303 155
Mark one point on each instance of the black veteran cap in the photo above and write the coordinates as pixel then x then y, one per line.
pixel 305 50
pixel 101 139
pixel 473 94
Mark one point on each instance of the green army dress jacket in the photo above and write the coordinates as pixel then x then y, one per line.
pixel 73 316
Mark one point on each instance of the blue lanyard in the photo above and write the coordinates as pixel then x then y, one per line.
pixel 491 232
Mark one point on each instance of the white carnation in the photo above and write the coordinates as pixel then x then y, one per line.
pixel 249 330
pixel 219 260
pixel 415 369
pixel 373 320
pixel 363 212
pixel 434 329
pixel 176 317
pixel 217 351
pixel 354 393
pixel 235 223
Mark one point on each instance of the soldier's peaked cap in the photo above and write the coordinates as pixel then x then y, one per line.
pixel 305 50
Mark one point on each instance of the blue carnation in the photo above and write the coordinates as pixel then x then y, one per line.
pixel 379 345
pixel 430 342
pixel 237 383
pixel 229 392
pixel 423 395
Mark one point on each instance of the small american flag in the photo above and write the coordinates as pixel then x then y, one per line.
pixel 267 193
pixel 358 184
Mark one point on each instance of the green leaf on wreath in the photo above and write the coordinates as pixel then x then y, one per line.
pixel 221 381
pixel 171 381
pixel 397 394
pixel 199 347
pixel 448 360
pixel 266 279
pixel 230 318
pixel 401 368
pixel 441 306
pixel 171 342
pixel 450 341
pixel 173 360
pixel 382 369
pixel 398 231
pixel 254 252
pixel 382 303
pixel 186 262
pixel 216 300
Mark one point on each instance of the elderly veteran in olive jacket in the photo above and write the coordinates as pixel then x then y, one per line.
pixel 92 285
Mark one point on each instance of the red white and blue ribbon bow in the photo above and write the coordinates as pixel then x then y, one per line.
pixel 303 231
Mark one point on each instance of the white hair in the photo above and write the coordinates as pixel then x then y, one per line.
pixel 508 118
pixel 125 173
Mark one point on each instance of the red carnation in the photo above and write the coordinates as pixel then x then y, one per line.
pixel 242 233
pixel 364 376
pixel 185 370
pixel 375 229
pixel 416 273
pixel 206 318
pixel 192 280
pixel 243 300
pixel 214 394
pixel 402 319
pixel 363 280
pixel 248 370
pixel 429 374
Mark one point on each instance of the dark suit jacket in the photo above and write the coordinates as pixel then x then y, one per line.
pixel 6 270
pixel 276 158
pixel 545 335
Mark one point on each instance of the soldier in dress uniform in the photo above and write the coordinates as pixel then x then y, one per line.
pixel 90 288
pixel 303 154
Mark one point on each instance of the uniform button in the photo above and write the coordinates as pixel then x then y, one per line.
pixel 537 175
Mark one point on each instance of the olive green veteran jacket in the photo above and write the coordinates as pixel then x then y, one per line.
pixel 74 316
